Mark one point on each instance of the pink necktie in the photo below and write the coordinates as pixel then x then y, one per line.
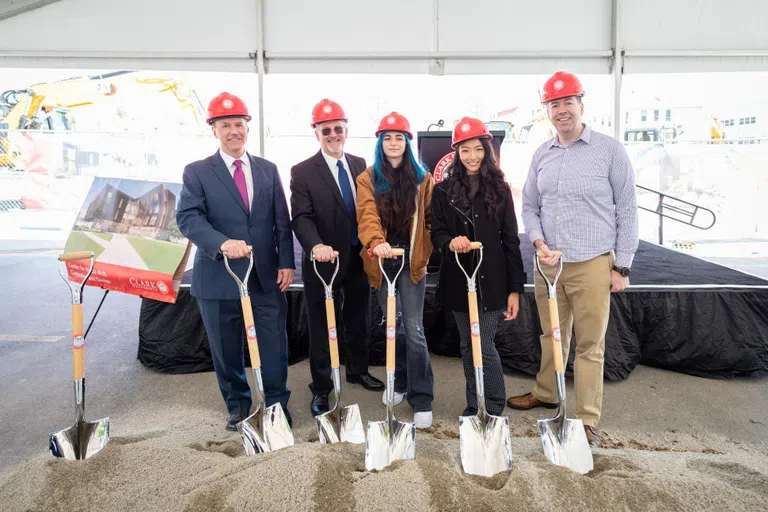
pixel 241 186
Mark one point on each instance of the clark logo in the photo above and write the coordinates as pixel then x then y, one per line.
pixel 162 287
pixel 78 341
pixel 390 333
pixel 332 333
pixel 438 175
pixel 556 334
pixel 143 285
pixel 475 329
pixel 251 332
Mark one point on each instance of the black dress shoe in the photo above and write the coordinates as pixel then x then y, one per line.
pixel 234 419
pixel 366 380
pixel 469 411
pixel 319 404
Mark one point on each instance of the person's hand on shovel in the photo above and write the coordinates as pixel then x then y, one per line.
pixel 547 257
pixel 513 306
pixel 383 250
pixel 460 244
pixel 324 253
pixel 235 249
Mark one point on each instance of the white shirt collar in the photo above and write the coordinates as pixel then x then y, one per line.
pixel 331 161
pixel 230 161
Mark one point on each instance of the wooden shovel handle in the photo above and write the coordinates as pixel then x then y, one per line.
pixel 83 255
pixel 391 331
pixel 398 251
pixel 475 245
pixel 557 347
pixel 333 343
pixel 474 331
pixel 250 332
pixel 78 342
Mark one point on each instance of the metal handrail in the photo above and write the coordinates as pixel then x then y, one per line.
pixel 684 215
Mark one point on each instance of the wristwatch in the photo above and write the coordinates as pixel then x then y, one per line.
pixel 624 271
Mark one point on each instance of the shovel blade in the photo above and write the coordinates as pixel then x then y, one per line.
pixel 385 445
pixel 566 444
pixel 341 425
pixel 266 430
pixel 82 440
pixel 486 445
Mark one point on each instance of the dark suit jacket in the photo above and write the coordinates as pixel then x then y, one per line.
pixel 318 210
pixel 212 211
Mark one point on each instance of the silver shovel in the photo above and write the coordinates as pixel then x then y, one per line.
pixel 267 429
pixel 564 440
pixel 85 438
pixel 390 440
pixel 486 445
pixel 342 423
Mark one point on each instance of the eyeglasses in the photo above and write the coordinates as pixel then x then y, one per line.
pixel 327 131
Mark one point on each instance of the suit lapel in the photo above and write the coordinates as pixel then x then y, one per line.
pixel 258 181
pixel 325 173
pixel 220 169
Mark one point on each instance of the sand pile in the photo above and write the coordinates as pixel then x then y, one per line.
pixel 181 459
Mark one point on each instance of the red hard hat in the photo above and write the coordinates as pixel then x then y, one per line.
pixel 395 122
pixel 469 128
pixel 327 110
pixel 561 85
pixel 227 105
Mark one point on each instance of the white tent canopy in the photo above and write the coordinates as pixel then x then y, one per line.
pixel 399 36
pixel 438 37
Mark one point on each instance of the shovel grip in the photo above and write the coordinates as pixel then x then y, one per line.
pixel 391 321
pixel 83 255
pixel 474 331
pixel 398 251
pixel 250 332
pixel 78 342
pixel 333 341
pixel 557 346
pixel 475 245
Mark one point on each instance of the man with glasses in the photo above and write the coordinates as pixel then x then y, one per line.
pixel 323 195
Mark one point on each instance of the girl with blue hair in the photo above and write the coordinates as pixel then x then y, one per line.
pixel 393 210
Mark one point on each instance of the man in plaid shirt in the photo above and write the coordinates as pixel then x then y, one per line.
pixel 579 205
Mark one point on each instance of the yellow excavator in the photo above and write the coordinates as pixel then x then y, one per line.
pixel 46 106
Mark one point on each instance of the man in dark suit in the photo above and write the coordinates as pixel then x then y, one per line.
pixel 230 201
pixel 323 194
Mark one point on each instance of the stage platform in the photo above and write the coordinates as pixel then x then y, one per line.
pixel 680 313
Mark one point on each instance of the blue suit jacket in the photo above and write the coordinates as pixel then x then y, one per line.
pixel 212 211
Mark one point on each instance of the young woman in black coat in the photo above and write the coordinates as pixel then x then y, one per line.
pixel 474 203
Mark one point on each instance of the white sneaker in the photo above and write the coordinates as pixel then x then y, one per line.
pixel 423 419
pixel 398 398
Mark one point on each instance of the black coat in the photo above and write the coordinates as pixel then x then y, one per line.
pixel 318 212
pixel 502 270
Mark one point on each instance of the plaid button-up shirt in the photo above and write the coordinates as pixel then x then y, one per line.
pixel 580 198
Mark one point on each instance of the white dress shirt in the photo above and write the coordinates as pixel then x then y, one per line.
pixel 230 163
pixel 335 172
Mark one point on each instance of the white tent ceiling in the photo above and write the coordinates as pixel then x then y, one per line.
pixel 398 36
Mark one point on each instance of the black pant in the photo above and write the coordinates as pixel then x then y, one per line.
pixel 353 318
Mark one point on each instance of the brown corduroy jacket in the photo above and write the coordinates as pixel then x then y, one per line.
pixel 371 232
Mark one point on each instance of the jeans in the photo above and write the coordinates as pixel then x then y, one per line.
pixel 413 369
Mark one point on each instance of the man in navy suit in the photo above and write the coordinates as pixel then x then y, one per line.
pixel 323 194
pixel 229 201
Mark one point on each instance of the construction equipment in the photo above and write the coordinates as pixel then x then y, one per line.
pixel 564 440
pixel 390 440
pixel 46 106
pixel 267 429
pixel 486 445
pixel 85 438
pixel 342 423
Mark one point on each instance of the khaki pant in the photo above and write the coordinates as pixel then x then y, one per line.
pixel 583 301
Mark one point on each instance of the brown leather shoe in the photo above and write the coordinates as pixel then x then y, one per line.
pixel 527 401
pixel 592 437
